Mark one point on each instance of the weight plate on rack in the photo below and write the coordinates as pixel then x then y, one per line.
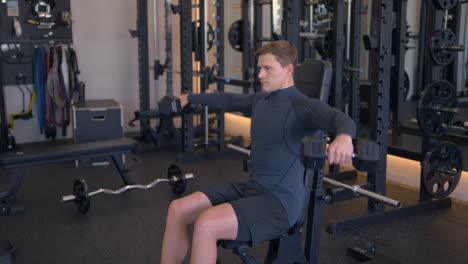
pixel 442 169
pixel 394 90
pixel 324 44
pixel 197 38
pixel 445 4
pixel 441 56
pixel 235 35
pixel 435 122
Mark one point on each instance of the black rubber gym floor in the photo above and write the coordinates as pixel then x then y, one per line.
pixel 129 228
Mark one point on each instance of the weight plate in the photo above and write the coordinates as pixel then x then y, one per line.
pixel 82 199
pixel 324 44
pixel 442 169
pixel 178 185
pixel 396 41
pixel 441 56
pixel 197 38
pixel 445 4
pixel 235 35
pixel 431 121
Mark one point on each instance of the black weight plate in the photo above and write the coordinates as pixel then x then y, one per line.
pixel 82 199
pixel 442 169
pixel 393 91
pixel 235 35
pixel 197 38
pixel 443 57
pixel 324 44
pixel 433 122
pixel 396 43
pixel 178 184
pixel 445 4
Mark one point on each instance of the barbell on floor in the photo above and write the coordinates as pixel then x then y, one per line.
pixel 82 197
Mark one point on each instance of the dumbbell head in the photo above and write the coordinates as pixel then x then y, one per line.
pixel 169 105
pixel 313 152
pixel 367 153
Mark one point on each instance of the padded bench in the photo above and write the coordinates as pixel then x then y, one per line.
pixel 20 160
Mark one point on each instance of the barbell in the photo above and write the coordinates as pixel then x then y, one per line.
pixel 313 151
pixel 82 197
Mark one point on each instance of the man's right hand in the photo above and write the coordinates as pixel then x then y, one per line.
pixel 183 100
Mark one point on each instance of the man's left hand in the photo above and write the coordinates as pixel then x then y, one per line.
pixel 340 149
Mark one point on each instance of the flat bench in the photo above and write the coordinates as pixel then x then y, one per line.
pixel 20 160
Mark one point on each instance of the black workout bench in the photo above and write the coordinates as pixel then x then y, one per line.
pixel 20 160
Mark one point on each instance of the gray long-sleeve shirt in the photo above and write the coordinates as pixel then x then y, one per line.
pixel 280 120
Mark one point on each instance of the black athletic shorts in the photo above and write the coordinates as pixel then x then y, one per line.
pixel 260 215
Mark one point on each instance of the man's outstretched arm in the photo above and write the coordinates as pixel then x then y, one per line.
pixel 229 102
pixel 317 114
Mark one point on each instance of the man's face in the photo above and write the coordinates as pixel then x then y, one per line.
pixel 272 75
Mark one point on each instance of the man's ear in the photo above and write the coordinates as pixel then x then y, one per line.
pixel 290 68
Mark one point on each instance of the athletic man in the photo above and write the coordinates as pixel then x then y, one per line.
pixel 270 202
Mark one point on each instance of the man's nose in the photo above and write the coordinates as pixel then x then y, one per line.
pixel 261 74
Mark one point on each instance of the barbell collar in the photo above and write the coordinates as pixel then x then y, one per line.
pixel 186 177
pixel 68 198
pixel 359 191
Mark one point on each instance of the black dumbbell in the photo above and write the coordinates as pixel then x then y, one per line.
pixel 169 105
pixel 314 153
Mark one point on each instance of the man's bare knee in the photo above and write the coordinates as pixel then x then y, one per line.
pixel 204 226
pixel 175 209
pixel 188 209
pixel 219 223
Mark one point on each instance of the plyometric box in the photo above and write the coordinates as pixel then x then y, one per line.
pixel 97 120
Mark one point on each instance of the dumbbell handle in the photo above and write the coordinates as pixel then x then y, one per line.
pixel 71 197
pixel 358 190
